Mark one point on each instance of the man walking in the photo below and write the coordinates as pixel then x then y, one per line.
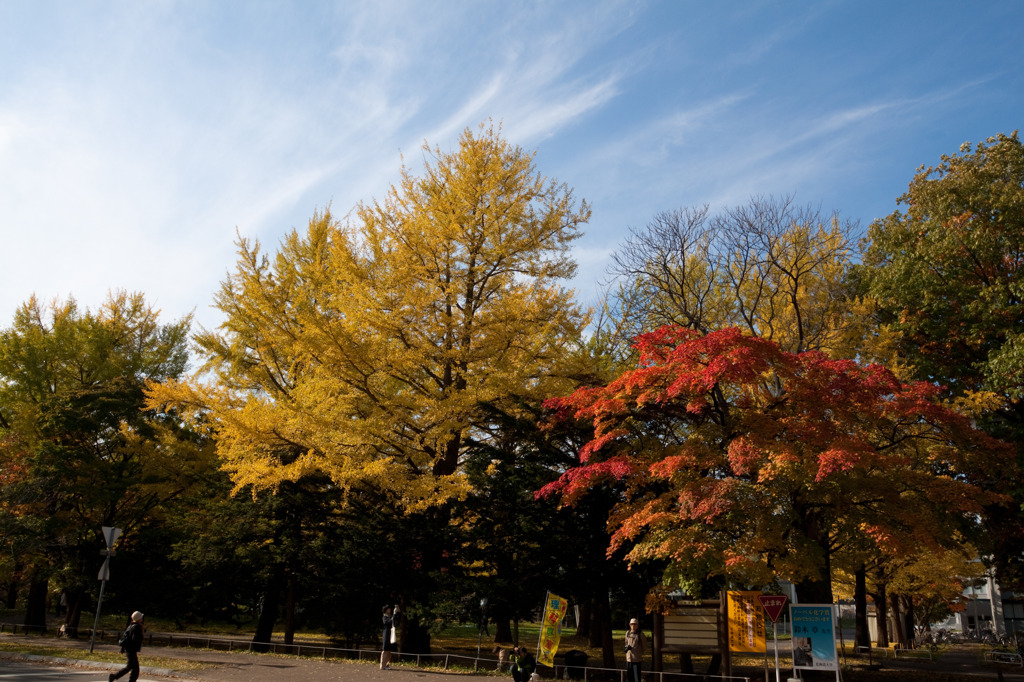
pixel 131 643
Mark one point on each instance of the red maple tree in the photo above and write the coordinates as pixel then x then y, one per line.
pixel 738 459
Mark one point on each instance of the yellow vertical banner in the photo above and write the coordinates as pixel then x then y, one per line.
pixel 746 623
pixel 551 629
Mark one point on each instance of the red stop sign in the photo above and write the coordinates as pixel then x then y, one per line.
pixel 773 604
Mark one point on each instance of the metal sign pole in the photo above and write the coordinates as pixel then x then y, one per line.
pixel 110 536
pixel 775 636
pixel 104 573
pixel 773 604
pixel 837 621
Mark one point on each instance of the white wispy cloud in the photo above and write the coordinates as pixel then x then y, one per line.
pixel 136 137
pixel 546 118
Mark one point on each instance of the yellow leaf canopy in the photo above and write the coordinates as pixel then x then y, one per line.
pixel 366 349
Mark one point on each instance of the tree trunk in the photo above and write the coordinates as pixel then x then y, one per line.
pixel 289 609
pixel 814 592
pixel 594 627
pixel 12 586
pixel 817 590
pixel 268 615
pixel 898 621
pixel 881 614
pixel 862 634
pixel 448 461
pixel 583 625
pixel 907 615
pixel 35 609
pixel 607 644
pixel 73 617
pixel 415 638
pixel 502 616
pixel 502 630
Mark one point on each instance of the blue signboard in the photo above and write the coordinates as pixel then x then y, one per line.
pixel 814 642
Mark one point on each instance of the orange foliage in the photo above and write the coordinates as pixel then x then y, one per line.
pixel 761 460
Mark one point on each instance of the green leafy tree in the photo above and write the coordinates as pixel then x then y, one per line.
pixel 295 546
pixel 515 546
pixel 308 560
pixel 78 450
pixel 946 273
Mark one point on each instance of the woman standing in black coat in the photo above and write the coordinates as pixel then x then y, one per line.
pixel 389 640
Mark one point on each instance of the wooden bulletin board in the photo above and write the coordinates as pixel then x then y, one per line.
pixel 692 627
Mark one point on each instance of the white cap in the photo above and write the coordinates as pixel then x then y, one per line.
pixel 137 617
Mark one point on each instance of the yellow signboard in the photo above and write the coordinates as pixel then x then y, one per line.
pixel 746 623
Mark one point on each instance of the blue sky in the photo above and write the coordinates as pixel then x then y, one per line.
pixel 137 137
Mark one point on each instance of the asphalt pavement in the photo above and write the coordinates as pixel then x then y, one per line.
pixel 219 666
pixel 241 666
pixel 222 671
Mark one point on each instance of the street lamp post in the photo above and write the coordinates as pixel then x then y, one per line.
pixel 483 616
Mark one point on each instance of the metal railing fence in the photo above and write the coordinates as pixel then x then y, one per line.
pixel 440 661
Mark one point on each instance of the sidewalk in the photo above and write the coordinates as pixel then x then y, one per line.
pixel 222 666
pixel 229 667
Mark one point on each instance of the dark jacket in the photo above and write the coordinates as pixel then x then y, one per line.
pixel 391 625
pixel 131 640
pixel 525 662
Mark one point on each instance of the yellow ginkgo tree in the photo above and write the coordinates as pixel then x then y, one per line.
pixel 365 348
